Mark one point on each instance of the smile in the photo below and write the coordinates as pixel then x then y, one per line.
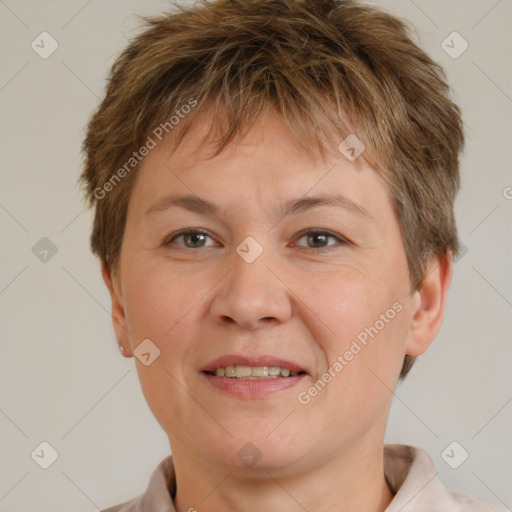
pixel 253 372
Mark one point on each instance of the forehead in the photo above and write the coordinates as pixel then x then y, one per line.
pixel 266 165
pixel 269 131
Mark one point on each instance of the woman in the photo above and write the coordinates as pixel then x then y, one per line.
pixel 273 184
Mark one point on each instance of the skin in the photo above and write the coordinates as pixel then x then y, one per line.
pixel 201 302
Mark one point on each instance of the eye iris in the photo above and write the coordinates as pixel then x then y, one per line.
pixel 314 237
pixel 195 237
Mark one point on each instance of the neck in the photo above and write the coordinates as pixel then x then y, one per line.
pixel 352 481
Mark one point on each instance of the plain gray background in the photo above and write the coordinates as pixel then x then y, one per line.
pixel 62 378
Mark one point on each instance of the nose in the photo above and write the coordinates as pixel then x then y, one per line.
pixel 252 295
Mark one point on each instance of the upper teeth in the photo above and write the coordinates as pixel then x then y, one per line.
pixel 254 372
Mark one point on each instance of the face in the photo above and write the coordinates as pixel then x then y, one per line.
pixel 266 276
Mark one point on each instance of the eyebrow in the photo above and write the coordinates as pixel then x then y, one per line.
pixel 293 207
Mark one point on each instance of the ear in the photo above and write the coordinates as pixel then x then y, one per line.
pixel 429 304
pixel 118 313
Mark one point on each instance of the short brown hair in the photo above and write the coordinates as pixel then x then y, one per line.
pixel 330 68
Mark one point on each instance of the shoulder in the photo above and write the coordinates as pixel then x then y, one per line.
pixel 158 495
pixel 412 477
pixel 469 504
pixel 128 506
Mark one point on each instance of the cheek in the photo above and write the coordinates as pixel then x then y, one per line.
pixel 358 307
pixel 158 300
pixel 160 307
pixel 363 359
pixel 369 319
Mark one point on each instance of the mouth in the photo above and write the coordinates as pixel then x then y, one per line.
pixel 253 377
pixel 252 368
pixel 253 372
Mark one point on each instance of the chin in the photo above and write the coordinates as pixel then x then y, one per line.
pixel 254 451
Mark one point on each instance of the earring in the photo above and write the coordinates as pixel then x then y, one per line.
pixel 121 348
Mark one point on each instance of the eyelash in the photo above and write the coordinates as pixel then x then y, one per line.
pixel 306 232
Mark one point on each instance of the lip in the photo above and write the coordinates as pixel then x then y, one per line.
pixel 240 360
pixel 252 389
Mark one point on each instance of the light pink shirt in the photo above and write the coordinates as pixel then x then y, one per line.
pixel 409 471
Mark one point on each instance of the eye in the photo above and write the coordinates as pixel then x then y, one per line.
pixel 192 238
pixel 319 239
pixel 316 239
